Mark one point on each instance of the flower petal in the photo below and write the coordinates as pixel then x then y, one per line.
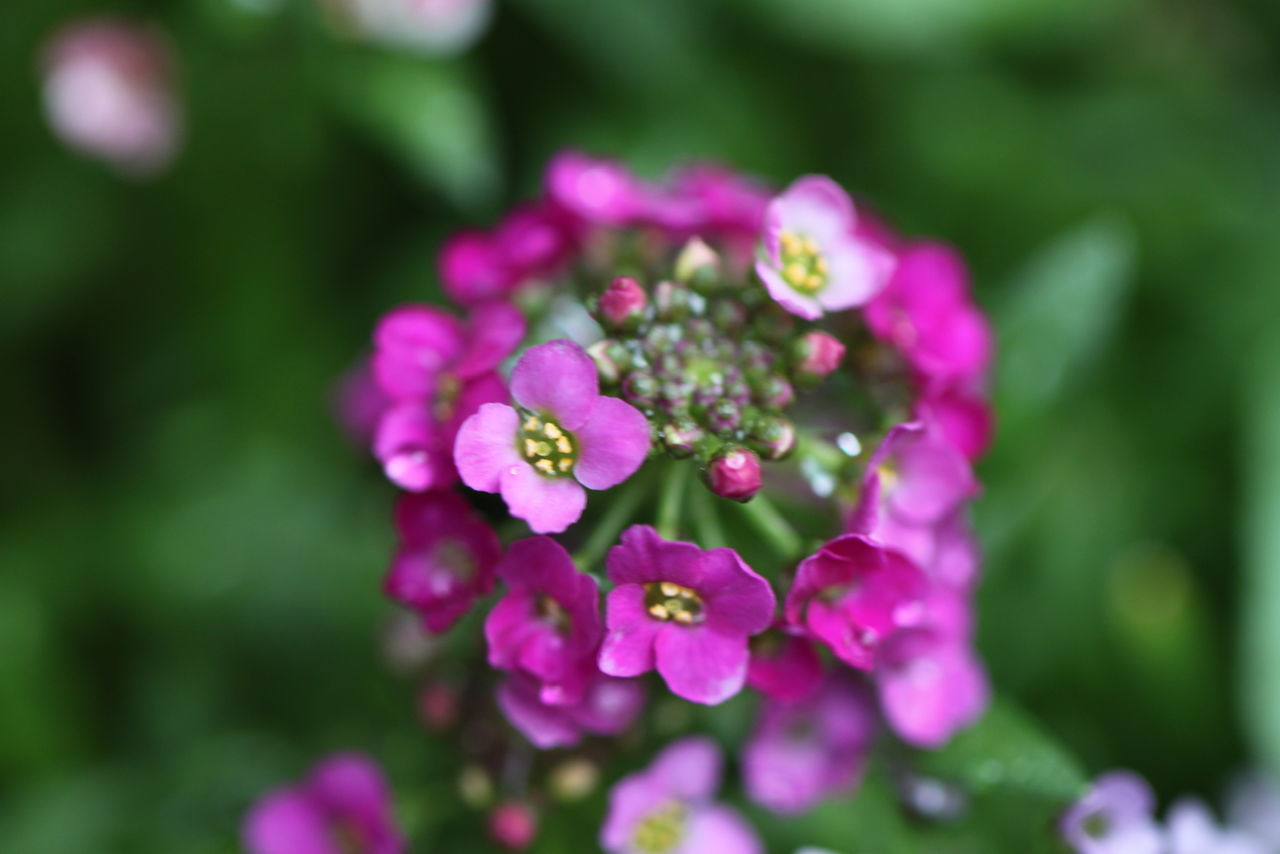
pixel 699 664
pixel 286 822
pixel 786 296
pixel 738 600
pixel 689 769
pixel 485 449
pixel 627 649
pixel 612 444
pixel 643 556
pixel 496 329
pixel 720 829
pixel 558 379
pixel 548 504
pixel 413 345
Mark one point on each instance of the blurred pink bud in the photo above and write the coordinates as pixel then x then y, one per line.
pixel 623 303
pixel 108 92
pixel 513 825
pixel 819 355
pixel 438 706
pixel 734 474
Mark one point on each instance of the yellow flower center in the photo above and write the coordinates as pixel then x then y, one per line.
pixel 661 830
pixel 547 446
pixel 804 266
pixel 665 600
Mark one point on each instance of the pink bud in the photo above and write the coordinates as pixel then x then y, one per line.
pixel 734 474
pixel 438 706
pixel 819 355
pixel 513 825
pixel 622 304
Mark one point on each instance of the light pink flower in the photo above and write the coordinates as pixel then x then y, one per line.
pixel 608 707
pixel 565 436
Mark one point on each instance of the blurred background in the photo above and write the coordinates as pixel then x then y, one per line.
pixel 191 550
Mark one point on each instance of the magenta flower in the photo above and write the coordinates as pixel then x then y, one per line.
pixel 853 594
pixel 599 192
pixel 682 610
pixel 802 752
pixel 667 808
pixel 813 260
pixel 785 665
pixel 445 560
pixel 930 682
pixel 436 372
pixel 963 415
pixel 342 807
pixel 1116 816
pixel 548 624
pixel 608 706
pixel 472 268
pixel 914 481
pixel 925 313
pixel 108 92
pixel 565 436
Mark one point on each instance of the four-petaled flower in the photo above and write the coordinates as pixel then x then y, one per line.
pixel 608 706
pixel 685 611
pixel 813 260
pixel 564 436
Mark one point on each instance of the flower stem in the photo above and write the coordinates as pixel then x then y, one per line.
pixel 707 520
pixel 669 504
pixel 771 525
pixel 606 531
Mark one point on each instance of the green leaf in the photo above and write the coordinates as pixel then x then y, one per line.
pixel 1007 752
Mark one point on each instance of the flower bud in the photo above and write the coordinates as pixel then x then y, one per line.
pixel 640 388
pixel 661 339
pixel 603 353
pixel 513 825
pixel 621 306
pixel 774 392
pixel 675 396
pixel 698 265
pixel 730 315
pixel 681 435
pixel 671 301
pixel 772 436
pixel 438 706
pixel 573 779
pixel 724 417
pixel 734 474
pixel 817 355
pixel 773 324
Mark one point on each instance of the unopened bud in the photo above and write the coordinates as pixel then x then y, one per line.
pixel 817 355
pixel 574 779
pixel 671 301
pixel 773 436
pixel 661 339
pixel 724 417
pixel 513 825
pixel 640 388
pixel 680 436
pixel 774 392
pixel 438 706
pixel 698 265
pixel 622 305
pixel 602 353
pixel 734 474
pixel 728 314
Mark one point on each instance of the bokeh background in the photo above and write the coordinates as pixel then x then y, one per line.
pixel 190 551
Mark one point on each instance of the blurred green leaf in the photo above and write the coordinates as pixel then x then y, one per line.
pixel 1007 752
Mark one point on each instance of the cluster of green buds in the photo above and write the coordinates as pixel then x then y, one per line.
pixel 713 364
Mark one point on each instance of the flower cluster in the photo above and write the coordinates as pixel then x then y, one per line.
pixel 613 337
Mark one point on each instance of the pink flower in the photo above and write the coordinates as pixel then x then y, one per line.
pixel 667 808
pixel 564 437
pixel 802 752
pixel 1116 816
pixel 108 92
pixel 729 205
pixel 925 312
pixel 608 707
pixel 600 192
pixel 513 825
pixel 342 807
pixel 548 624
pixel 472 268
pixel 785 665
pixel 853 594
pixel 963 415
pixel 445 560
pixel 914 481
pixel 931 684
pixel 682 610
pixel 436 372
pixel 813 260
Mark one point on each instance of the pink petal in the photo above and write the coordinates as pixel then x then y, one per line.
pixel 413 345
pixel 485 449
pixel 548 504
pixel 689 769
pixel 407 443
pixel 287 822
pixel 720 829
pixel 557 379
pixel 786 296
pixel 643 556
pixel 628 644
pixel 545 726
pixel 858 271
pixel 496 329
pixel 738 599
pixel 931 696
pixel 612 444
pixel 701 665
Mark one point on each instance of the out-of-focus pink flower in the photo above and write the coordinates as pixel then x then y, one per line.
pixel 342 807
pixel 667 808
pixel 1116 816
pixel 598 191
pixel 564 437
pixel 472 268
pixel 813 260
pixel 963 415
pixel 926 313
pixel 684 611
pixel 358 402
pixel 436 27
pixel 608 707
pixel 853 594
pixel 930 681
pixel 802 752
pixel 785 665
pixel 436 372
pixel 513 825
pixel 445 560
pixel 109 92
pixel 730 205
pixel 548 624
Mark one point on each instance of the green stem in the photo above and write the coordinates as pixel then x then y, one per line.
pixel 770 524
pixel 673 490
pixel 707 520
pixel 619 513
